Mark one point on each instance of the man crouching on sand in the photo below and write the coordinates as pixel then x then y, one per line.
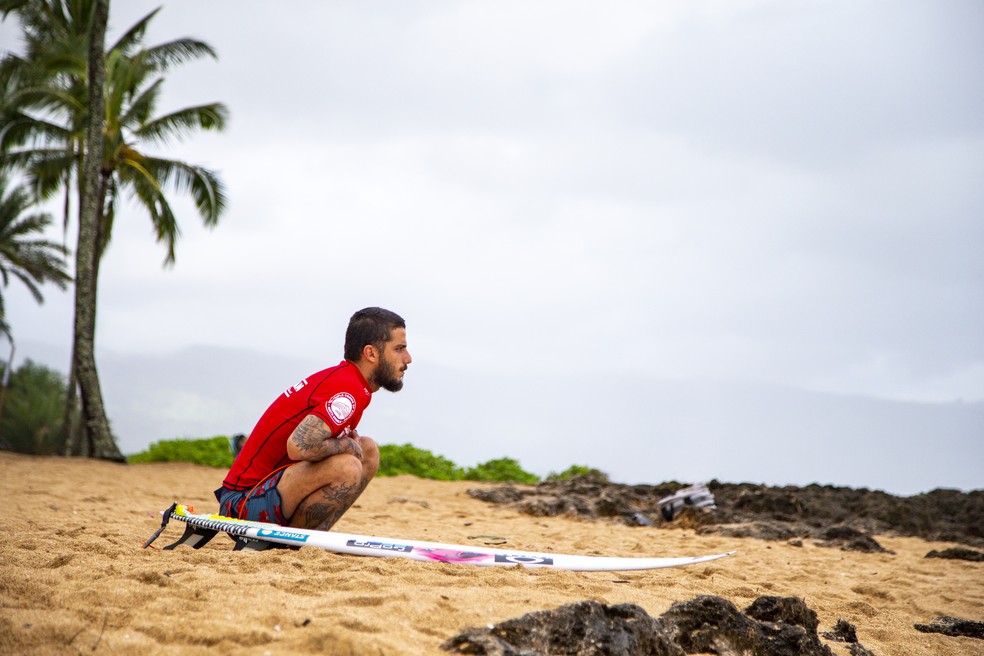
pixel 304 464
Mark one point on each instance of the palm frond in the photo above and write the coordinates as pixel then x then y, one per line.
pixel 29 283
pixel 31 259
pixel 12 6
pixel 51 99
pixel 183 121
pixel 178 51
pixel 23 129
pixel 131 39
pixel 148 191
pixel 37 162
pixel 204 185
pixel 48 170
pixel 141 106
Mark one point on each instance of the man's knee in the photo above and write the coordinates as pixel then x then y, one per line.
pixel 344 469
pixel 370 457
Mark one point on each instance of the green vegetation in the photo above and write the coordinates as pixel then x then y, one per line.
pixel 579 470
pixel 501 470
pixel 394 460
pixel 33 404
pixel 408 459
pixel 211 452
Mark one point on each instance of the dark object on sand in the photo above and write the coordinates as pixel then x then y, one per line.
pixel 844 631
pixel 236 443
pixel 958 553
pixel 851 539
pixel 704 624
pixel 951 626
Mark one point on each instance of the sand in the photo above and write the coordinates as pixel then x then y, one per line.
pixel 74 578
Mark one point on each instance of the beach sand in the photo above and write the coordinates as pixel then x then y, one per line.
pixel 74 578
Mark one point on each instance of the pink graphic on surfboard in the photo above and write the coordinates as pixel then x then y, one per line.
pixel 454 555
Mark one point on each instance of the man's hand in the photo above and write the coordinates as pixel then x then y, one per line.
pixel 346 444
pixel 312 441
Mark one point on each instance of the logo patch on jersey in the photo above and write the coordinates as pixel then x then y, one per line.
pixel 340 407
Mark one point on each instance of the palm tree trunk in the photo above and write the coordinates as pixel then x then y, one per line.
pixel 7 371
pixel 71 438
pixel 95 425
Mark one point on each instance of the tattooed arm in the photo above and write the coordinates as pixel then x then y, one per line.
pixel 312 441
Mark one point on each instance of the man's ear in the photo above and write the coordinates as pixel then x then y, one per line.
pixel 370 354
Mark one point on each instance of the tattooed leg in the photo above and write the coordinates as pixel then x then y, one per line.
pixel 326 506
pixel 316 493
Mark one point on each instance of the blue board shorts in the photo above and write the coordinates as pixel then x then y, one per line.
pixel 260 504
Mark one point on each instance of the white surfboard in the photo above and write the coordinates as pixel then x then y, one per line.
pixel 202 528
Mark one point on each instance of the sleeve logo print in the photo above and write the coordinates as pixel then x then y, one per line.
pixel 340 407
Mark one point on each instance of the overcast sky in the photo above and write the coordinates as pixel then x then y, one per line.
pixel 764 191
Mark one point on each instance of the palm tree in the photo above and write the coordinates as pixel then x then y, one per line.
pixel 47 114
pixel 46 118
pixel 24 255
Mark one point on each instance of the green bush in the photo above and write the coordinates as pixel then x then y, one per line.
pixel 502 470
pixel 393 461
pixel 33 405
pixel 579 470
pixel 211 452
pixel 408 459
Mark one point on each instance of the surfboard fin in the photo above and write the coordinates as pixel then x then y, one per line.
pixel 166 517
pixel 194 537
pixel 250 544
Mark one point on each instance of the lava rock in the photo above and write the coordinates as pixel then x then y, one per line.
pixel 851 539
pixel 712 624
pixel 584 628
pixel 843 631
pixel 952 626
pixel 958 553
pixel 706 624
pixel 791 610
pixel 771 513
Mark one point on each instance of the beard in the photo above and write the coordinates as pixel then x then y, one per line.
pixel 386 377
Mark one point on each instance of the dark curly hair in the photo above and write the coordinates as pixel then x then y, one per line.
pixel 371 325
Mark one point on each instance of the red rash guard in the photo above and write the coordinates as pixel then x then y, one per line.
pixel 338 395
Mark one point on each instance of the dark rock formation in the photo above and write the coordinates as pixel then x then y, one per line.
pixel 587 627
pixel 851 539
pixel 844 631
pixel 952 626
pixel 771 513
pixel 958 553
pixel 771 626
